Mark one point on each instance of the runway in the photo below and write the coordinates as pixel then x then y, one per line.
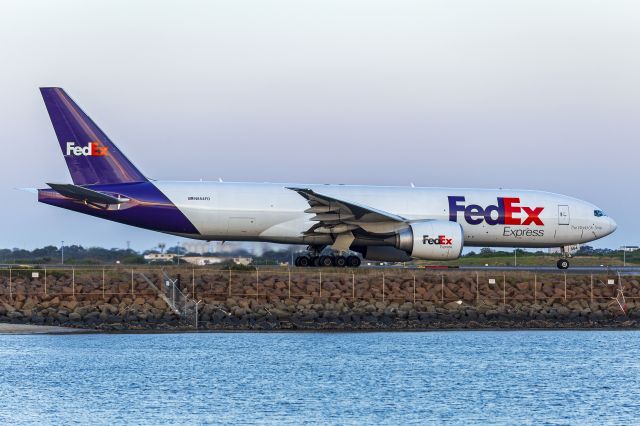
pixel 596 269
pixel 623 270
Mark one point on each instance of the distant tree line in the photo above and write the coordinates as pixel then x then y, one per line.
pixel 76 254
pixel 73 254
pixel 632 256
pixel 489 252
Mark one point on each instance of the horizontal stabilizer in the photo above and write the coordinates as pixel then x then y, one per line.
pixel 84 194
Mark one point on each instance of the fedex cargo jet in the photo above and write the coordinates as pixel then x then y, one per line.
pixel 382 223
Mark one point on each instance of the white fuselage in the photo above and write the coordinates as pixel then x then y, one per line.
pixel 489 217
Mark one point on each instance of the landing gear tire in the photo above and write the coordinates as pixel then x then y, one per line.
pixel 563 264
pixel 326 261
pixel 303 261
pixel 340 261
pixel 353 261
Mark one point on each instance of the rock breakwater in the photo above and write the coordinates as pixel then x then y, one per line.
pixel 153 299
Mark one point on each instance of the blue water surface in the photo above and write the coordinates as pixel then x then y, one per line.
pixel 486 377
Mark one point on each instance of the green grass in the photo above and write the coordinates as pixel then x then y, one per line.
pixel 496 259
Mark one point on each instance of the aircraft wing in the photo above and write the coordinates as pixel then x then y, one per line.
pixel 85 194
pixel 337 216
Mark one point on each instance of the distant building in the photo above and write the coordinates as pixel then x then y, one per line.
pixel 159 257
pixel 242 260
pixel 204 260
pixel 213 260
pixel 629 248
pixel 570 249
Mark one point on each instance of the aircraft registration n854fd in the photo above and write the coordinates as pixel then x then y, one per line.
pixel 380 223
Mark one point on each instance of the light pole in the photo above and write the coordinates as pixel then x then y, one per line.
pixel 62 252
pixel 624 256
pixel 515 257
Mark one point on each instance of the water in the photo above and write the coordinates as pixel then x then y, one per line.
pixel 556 377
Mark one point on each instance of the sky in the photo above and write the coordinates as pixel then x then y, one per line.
pixel 462 93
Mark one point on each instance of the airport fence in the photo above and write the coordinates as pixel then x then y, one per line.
pixel 389 285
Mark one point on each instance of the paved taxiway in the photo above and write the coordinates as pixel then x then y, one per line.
pixel 595 269
pixel 622 270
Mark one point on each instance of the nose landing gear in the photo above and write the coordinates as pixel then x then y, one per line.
pixel 563 263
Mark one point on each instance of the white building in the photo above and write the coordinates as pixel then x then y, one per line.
pixel 242 260
pixel 213 260
pixel 204 260
pixel 159 257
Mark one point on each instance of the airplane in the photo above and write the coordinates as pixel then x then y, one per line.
pixel 339 224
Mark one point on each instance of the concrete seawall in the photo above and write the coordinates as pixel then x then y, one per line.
pixel 131 299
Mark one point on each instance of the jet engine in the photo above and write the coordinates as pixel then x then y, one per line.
pixel 431 240
pixel 383 254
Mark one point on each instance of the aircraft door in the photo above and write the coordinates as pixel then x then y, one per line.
pixel 563 214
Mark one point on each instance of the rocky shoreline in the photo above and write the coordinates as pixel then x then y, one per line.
pixel 313 300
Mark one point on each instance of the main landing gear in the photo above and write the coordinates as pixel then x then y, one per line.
pixel 327 261
pixel 313 258
pixel 563 264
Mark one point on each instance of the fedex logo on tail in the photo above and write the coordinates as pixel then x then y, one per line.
pixel 508 211
pixel 92 149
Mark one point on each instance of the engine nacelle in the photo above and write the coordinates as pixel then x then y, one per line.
pixel 384 254
pixel 431 240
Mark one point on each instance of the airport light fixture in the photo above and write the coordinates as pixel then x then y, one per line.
pixel 62 252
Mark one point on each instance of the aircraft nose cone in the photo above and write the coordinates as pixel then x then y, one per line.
pixel 608 226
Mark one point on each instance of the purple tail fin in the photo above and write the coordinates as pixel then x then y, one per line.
pixel 91 157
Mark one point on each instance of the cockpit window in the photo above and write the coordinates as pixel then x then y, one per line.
pixel 598 213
